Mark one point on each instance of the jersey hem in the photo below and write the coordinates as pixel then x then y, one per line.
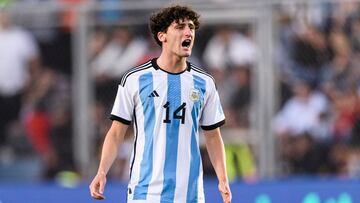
pixel 122 120
pixel 214 126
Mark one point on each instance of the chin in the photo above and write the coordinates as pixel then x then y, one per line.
pixel 186 54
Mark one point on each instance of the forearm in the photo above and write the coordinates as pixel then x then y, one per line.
pixel 113 139
pixel 215 148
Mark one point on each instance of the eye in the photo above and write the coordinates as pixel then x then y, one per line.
pixel 179 27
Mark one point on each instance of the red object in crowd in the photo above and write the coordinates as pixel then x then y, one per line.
pixel 37 126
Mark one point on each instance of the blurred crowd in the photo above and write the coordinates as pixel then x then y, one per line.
pixel 317 57
pixel 35 106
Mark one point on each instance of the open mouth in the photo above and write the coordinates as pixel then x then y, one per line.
pixel 186 43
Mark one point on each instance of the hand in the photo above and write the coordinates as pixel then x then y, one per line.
pixel 224 189
pixel 97 186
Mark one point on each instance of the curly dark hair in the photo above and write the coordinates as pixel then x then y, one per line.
pixel 161 20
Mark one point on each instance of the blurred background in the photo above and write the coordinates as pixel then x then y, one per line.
pixel 287 71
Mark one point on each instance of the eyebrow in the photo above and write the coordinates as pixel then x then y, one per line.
pixel 183 23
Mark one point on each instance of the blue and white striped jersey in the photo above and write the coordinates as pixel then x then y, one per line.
pixel 167 110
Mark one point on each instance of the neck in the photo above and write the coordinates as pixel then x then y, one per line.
pixel 171 63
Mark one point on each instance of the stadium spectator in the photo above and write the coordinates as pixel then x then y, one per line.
pixel 229 56
pixel 302 112
pixel 240 100
pixel 309 55
pixel 46 117
pixel 19 62
pixel 346 110
pixel 307 156
pixel 227 49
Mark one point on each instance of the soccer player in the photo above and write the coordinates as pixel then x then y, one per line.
pixel 168 99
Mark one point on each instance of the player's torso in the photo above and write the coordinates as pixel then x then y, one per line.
pixel 167 111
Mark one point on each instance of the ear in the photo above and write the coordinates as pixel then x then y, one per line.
pixel 161 36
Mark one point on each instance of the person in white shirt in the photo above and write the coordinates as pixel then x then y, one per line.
pixel 301 113
pixel 18 61
pixel 168 99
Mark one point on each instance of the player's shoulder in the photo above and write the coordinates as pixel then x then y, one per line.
pixel 200 72
pixel 133 72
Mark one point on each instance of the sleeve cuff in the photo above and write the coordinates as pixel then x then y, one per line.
pixel 214 126
pixel 117 118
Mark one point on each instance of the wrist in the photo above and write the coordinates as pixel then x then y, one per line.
pixel 223 182
pixel 103 173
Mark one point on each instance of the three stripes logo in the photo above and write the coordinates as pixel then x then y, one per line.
pixel 154 94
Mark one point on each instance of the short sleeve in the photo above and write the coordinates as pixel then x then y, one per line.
pixel 213 114
pixel 123 106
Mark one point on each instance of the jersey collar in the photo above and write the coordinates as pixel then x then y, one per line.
pixel 157 67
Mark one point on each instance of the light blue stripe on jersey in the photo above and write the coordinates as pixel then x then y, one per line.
pixel 172 135
pixel 146 166
pixel 192 192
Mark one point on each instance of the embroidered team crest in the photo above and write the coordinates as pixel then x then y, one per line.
pixel 194 95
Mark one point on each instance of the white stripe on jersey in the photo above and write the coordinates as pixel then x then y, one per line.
pixel 156 183
pixel 183 169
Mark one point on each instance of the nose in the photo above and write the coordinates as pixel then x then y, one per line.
pixel 187 31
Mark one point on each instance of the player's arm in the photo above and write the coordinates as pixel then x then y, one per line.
pixel 113 139
pixel 215 148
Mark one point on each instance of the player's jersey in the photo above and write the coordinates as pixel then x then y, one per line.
pixel 167 110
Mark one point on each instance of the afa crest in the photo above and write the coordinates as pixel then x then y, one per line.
pixel 194 95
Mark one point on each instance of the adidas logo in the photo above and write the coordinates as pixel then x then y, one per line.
pixel 154 94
